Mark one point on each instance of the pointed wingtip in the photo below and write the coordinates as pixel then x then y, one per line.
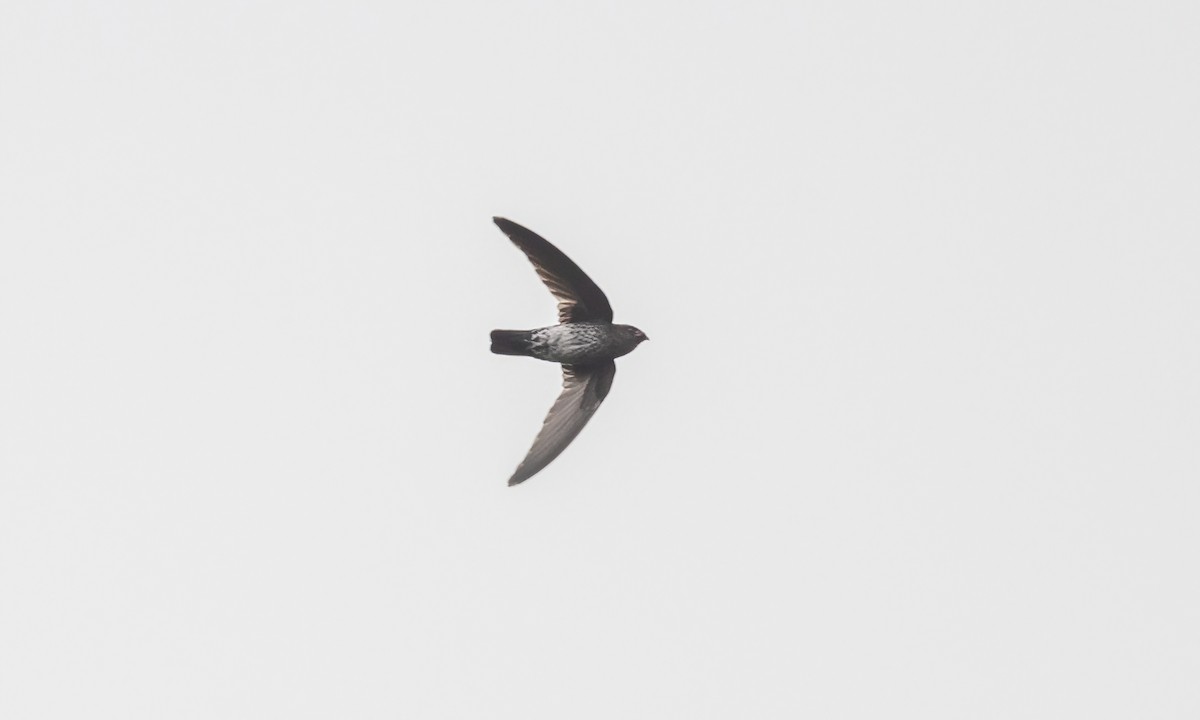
pixel 520 475
pixel 508 227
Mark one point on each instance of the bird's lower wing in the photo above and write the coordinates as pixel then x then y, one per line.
pixel 584 388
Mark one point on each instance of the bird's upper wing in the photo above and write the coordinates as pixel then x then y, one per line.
pixel 584 388
pixel 579 300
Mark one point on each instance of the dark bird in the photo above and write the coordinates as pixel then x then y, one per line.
pixel 584 342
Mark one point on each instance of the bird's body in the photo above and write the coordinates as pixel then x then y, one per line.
pixel 585 343
pixel 573 343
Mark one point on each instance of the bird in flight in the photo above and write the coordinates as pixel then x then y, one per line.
pixel 585 341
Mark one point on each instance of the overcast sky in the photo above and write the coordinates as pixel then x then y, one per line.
pixel 915 435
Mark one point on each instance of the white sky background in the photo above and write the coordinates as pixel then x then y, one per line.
pixel 915 435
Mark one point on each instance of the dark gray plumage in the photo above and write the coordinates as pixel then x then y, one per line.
pixel 585 343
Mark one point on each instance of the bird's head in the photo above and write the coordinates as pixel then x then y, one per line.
pixel 633 334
